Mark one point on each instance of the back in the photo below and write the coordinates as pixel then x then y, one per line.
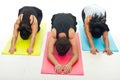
pixel 63 21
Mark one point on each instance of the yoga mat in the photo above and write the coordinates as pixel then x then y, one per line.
pixel 99 43
pixel 22 45
pixel 48 67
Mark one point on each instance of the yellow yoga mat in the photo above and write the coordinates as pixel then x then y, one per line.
pixel 22 45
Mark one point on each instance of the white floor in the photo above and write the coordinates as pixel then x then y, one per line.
pixel 96 67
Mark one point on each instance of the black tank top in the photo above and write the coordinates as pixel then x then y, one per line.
pixel 32 11
pixel 62 22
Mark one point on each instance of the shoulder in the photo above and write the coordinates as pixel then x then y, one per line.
pixel 53 33
pixel 19 19
pixel 17 22
pixel 33 19
pixel 86 23
pixel 87 19
pixel 72 33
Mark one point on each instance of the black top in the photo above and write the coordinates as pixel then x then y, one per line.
pixel 62 22
pixel 32 11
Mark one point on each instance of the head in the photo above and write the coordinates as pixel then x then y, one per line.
pixel 25 27
pixel 25 32
pixel 62 45
pixel 97 27
pixel 96 32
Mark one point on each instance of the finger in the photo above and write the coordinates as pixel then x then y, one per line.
pixel 57 70
pixel 70 69
pixel 110 53
pixel 15 49
pixel 91 50
pixel 94 53
pixel 11 51
pixel 64 69
pixel 67 69
pixel 104 51
pixel 97 51
pixel 60 70
pixel 29 52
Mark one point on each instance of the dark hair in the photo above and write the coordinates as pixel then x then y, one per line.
pixel 62 45
pixel 97 26
pixel 25 27
pixel 96 32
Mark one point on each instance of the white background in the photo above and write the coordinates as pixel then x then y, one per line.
pixel 96 67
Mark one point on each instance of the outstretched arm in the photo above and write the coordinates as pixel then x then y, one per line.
pixel 89 36
pixel 50 55
pixel 106 41
pixel 34 28
pixel 74 47
pixel 15 35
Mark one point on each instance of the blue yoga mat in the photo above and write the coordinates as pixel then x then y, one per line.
pixel 99 43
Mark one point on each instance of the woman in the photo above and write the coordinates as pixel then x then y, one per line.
pixel 94 18
pixel 63 35
pixel 27 23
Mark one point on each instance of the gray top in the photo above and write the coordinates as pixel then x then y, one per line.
pixel 91 10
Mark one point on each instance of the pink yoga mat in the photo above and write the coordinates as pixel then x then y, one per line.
pixel 48 67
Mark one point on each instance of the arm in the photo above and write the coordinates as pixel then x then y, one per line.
pixel 74 47
pixel 15 35
pixel 50 55
pixel 34 28
pixel 89 36
pixel 106 41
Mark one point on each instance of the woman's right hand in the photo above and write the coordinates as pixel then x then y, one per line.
pixel 94 51
pixel 58 68
pixel 12 50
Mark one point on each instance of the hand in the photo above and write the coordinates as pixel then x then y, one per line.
pixel 67 68
pixel 108 51
pixel 94 51
pixel 30 50
pixel 58 68
pixel 12 50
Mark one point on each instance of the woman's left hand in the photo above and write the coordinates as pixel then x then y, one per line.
pixel 30 50
pixel 108 51
pixel 67 68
